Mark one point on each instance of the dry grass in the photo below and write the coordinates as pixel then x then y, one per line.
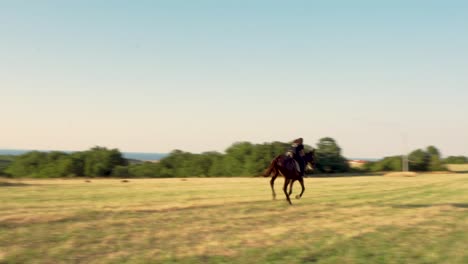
pixel 457 167
pixel 401 174
pixel 234 220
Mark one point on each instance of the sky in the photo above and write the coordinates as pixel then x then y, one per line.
pixel 380 77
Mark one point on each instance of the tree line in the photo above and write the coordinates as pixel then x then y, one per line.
pixel 428 159
pixel 240 159
pixel 98 161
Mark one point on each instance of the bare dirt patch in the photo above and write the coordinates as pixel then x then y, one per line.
pixel 401 174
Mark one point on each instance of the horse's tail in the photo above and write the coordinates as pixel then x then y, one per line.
pixel 271 167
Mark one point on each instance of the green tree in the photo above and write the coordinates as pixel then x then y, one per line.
pixel 5 161
pixel 262 155
pixel 329 158
pixel 241 159
pixel 146 169
pixel 435 163
pixel 174 164
pixel 456 160
pixel 75 164
pixel 419 160
pixel 99 161
pixel 392 163
pixel 28 164
pixel 211 163
pixel 121 171
pixel 236 157
pixel 217 164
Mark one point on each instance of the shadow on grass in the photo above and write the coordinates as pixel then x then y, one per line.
pixel 458 205
pixel 96 215
pixel 12 184
pixel 343 175
pixel 255 204
pixel 461 171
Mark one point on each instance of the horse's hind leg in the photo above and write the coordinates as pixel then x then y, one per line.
pixel 272 184
pixel 285 187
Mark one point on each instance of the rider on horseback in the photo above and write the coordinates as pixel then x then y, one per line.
pixel 297 148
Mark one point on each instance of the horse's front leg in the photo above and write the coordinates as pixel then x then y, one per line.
pixel 290 187
pixel 272 184
pixel 301 181
pixel 285 189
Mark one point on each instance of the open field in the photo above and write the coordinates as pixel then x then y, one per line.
pixel 457 167
pixel 422 219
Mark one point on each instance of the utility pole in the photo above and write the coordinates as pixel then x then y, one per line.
pixel 404 162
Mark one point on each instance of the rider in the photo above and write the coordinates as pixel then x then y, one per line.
pixel 297 149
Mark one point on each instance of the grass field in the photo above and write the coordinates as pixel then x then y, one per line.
pixel 457 167
pixel 422 219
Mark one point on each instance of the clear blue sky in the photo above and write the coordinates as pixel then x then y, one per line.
pixel 153 76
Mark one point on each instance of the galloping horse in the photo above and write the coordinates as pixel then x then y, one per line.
pixel 285 165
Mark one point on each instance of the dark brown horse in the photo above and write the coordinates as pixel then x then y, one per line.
pixel 286 166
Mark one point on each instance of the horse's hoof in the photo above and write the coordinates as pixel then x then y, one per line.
pixel 298 196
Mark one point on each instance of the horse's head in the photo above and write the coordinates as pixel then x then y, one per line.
pixel 309 157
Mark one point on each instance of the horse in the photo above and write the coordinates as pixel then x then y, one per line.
pixel 286 165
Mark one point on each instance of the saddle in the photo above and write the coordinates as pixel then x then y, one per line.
pixel 292 163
